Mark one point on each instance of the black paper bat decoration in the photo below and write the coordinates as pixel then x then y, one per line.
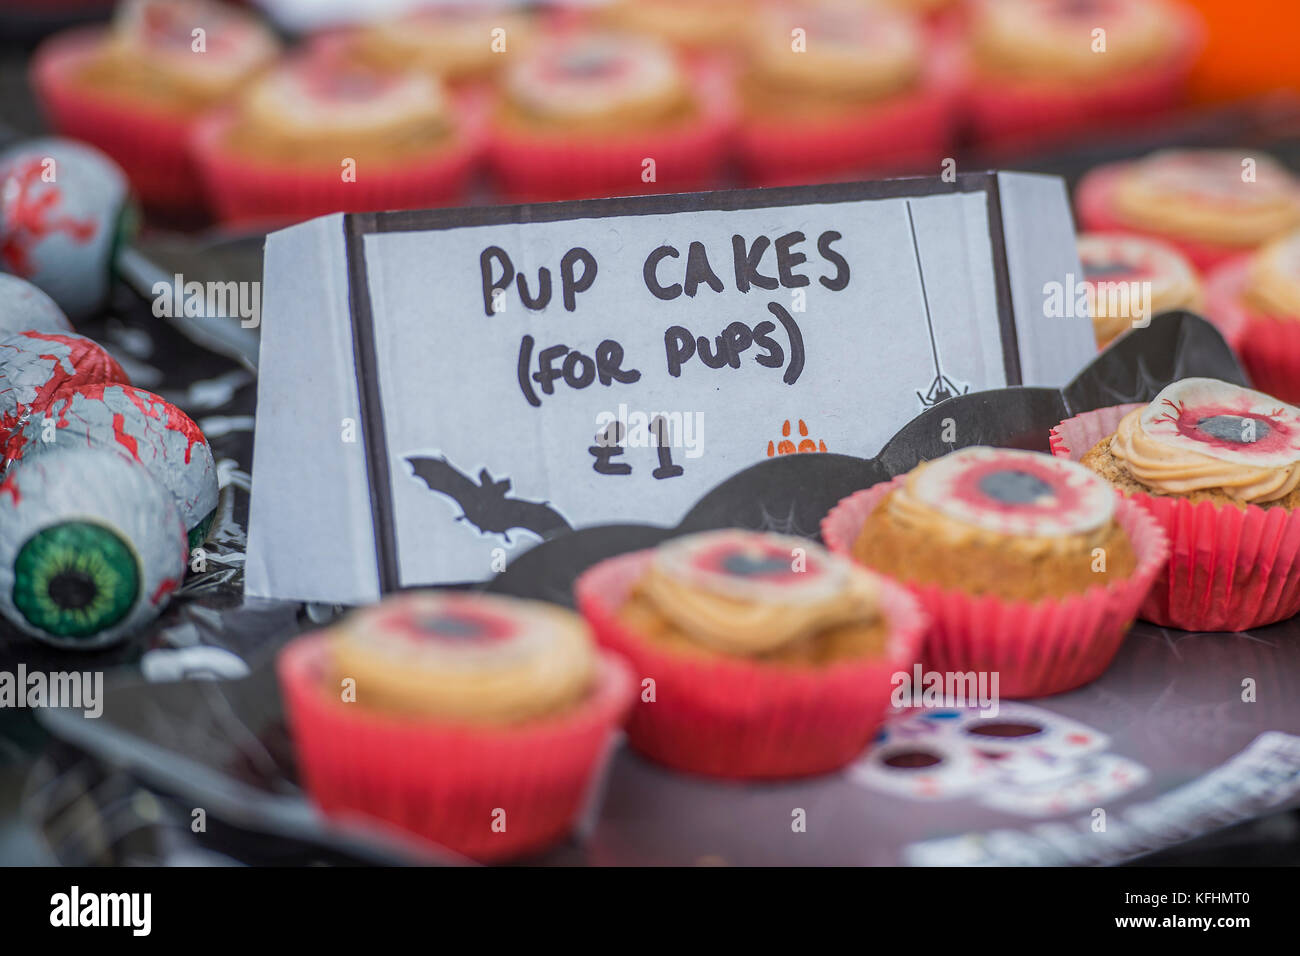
pixel 486 505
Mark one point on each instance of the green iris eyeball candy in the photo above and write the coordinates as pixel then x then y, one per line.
pixel 91 547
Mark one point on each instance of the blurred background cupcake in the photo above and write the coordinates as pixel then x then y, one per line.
pixel 1255 301
pixel 585 113
pixel 687 24
pixel 136 88
pixel 461 43
pixel 1211 204
pixel 1130 279
pixel 1046 70
pixel 837 89
pixel 323 133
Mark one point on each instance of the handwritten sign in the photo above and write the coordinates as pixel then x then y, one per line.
pixel 441 390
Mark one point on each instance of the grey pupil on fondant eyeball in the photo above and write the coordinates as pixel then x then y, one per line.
pixel 1242 429
pixel 1014 487
pixel 744 565
pixel 449 625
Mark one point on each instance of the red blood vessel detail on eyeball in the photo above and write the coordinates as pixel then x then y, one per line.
pixel 1226 422
pixel 1016 492
pixel 61 213
pixel 91 547
pixel 752 566
pixel 24 307
pixel 138 425
pixel 34 366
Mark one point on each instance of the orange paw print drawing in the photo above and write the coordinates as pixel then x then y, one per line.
pixel 786 445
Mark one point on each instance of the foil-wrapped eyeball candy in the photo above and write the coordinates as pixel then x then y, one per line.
pixel 63 213
pixel 91 547
pixel 24 307
pixel 139 426
pixel 34 366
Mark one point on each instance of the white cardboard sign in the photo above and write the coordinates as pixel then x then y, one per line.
pixel 441 390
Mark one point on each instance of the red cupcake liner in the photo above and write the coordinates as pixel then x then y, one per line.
pixel 254 192
pixel 726 717
pixel 1095 204
pixel 1268 345
pixel 1007 117
pixel 149 144
pixel 1039 647
pixel 900 135
pixel 687 157
pixel 448 784
pixel 1229 569
pixel 904 134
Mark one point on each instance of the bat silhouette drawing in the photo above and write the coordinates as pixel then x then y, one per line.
pixel 486 503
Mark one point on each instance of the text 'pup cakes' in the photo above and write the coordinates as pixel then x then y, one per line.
pixel 1218 466
pixel 769 656
pixel 1029 566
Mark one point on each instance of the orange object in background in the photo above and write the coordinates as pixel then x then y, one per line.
pixel 1251 47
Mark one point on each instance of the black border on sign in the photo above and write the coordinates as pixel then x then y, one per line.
pixel 356 226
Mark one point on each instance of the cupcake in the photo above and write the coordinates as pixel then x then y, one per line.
pixel 835 89
pixel 136 88
pixel 1029 566
pixel 759 655
pixel 1128 279
pixel 458 43
pixel 324 134
pixel 692 26
pixel 476 722
pixel 1038 70
pixel 1255 302
pixel 603 114
pixel 1211 204
pixel 1218 466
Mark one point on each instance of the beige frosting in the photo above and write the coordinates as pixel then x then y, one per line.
pixel 1114 303
pixel 1042 40
pixel 1177 471
pixel 1201 195
pixel 745 617
pixel 450 42
pixel 910 509
pixel 559 81
pixel 151 45
pixel 548 663
pixel 1274 281
pixel 851 50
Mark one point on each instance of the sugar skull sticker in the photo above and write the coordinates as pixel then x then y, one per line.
pixel 1024 760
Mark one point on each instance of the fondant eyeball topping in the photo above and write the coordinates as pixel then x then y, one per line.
pixel 453 630
pixel 753 566
pixel 1015 492
pixel 1226 422
pixel 91 547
